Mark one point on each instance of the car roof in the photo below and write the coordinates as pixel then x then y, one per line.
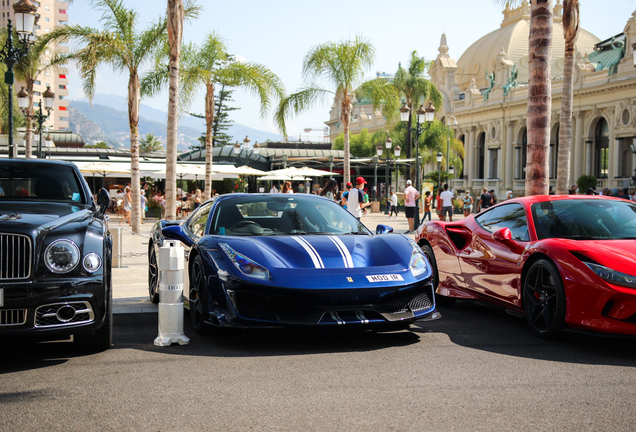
pixel 528 200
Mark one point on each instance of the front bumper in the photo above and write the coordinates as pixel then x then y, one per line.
pixel 53 308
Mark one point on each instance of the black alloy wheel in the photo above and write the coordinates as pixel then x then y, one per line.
pixel 544 299
pixel 439 299
pixel 153 276
pixel 198 297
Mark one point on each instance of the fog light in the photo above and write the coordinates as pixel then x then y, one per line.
pixel 92 262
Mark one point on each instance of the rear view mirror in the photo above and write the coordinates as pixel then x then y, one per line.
pixel 383 229
pixel 175 232
pixel 103 200
pixel 502 235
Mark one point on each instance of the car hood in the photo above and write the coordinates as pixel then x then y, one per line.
pixel 43 216
pixel 326 251
pixel 619 255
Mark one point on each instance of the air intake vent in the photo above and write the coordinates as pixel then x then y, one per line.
pixel 12 317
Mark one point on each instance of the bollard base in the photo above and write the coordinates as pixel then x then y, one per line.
pixel 167 340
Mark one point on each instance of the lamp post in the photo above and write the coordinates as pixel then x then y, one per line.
pixel 24 14
pixel 439 169
pixel 39 116
pixel 387 144
pixel 423 115
pixel 375 174
pixel 448 140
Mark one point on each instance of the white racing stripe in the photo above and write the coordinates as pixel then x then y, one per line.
pixel 311 251
pixel 346 256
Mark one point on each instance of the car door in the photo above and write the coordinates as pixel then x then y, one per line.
pixel 490 266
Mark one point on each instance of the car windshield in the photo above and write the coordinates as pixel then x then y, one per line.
pixel 26 181
pixel 583 219
pixel 283 214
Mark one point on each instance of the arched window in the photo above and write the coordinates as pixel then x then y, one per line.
pixel 481 155
pixel 601 149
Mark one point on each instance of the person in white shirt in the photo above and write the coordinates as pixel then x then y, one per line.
pixel 394 205
pixel 447 204
pixel 273 189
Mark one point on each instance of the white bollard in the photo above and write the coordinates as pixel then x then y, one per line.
pixel 170 264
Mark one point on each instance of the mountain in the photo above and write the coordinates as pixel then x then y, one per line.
pixel 153 116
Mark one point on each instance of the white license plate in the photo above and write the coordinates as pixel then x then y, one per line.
pixel 385 278
pixel 1 297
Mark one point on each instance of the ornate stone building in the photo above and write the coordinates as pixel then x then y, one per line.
pixel 486 91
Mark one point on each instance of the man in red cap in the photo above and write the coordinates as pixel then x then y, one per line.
pixel 355 198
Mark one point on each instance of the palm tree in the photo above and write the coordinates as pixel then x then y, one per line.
pixel 175 32
pixel 409 85
pixel 150 144
pixel 123 47
pixel 539 94
pixel 207 66
pixel 570 32
pixel 342 65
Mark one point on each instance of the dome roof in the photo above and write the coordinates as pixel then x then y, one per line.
pixel 513 38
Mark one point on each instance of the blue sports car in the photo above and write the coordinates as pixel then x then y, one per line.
pixel 255 260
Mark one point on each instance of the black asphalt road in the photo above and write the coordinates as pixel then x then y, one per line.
pixel 477 368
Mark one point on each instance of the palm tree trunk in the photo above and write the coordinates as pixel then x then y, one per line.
pixel 539 97
pixel 209 145
pixel 346 119
pixel 175 32
pixel 133 120
pixel 570 32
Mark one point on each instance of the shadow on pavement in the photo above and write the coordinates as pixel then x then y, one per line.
pixel 476 325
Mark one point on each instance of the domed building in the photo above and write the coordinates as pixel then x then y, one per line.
pixel 486 91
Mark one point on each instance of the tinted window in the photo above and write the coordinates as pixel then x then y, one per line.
pixel 196 223
pixel 39 182
pixel 596 219
pixel 510 216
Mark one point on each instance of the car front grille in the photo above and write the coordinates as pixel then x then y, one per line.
pixel 64 314
pixel 12 317
pixel 15 256
pixel 414 302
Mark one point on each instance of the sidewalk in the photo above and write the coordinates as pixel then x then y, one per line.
pixel 130 280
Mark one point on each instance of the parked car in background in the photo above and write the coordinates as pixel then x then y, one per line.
pixel 271 260
pixel 565 262
pixel 55 254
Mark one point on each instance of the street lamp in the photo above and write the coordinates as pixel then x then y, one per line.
pixel 39 116
pixel 24 14
pixel 439 169
pixel 423 115
pixel 448 140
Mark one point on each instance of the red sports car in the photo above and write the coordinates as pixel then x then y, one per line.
pixel 565 262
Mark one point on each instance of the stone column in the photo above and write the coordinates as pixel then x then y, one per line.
pixel 470 157
pixel 509 153
pixel 612 163
pixel 578 147
pixel 517 162
pixel 588 157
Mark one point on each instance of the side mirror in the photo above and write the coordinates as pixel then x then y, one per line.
pixel 103 200
pixel 175 232
pixel 502 235
pixel 383 229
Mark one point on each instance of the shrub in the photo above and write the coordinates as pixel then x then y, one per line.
pixel 586 181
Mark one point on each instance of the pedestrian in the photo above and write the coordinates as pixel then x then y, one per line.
pixel 330 189
pixel 573 190
pixel 468 204
pixel 622 194
pixel 196 201
pixel 365 199
pixel 127 206
pixel 484 200
pixel 493 197
pixel 427 205
pixel 287 187
pixel 438 204
pixel 509 195
pixel 144 207
pixel 274 189
pixel 447 204
pixel 394 205
pixel 355 198
pixel 410 195
pixel 589 191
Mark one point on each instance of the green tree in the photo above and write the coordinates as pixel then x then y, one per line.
pixel 150 144
pixel 342 65
pixel 410 86
pixel 99 144
pixel 221 121
pixel 122 46
pixel 539 93
pixel 206 66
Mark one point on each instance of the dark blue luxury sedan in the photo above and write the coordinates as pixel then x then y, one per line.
pixel 293 259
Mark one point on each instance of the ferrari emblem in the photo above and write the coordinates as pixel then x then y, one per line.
pixel 350 279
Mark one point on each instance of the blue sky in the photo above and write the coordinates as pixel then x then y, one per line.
pixel 279 33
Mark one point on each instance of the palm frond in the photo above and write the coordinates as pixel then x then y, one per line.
pixel 257 79
pixel 296 103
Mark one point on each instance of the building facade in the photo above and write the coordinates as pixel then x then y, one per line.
pixel 51 13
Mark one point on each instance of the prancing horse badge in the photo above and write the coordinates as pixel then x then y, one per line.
pixel 350 279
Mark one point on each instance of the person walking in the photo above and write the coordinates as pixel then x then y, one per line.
pixel 427 205
pixel 447 204
pixel 468 204
pixel 394 205
pixel 355 198
pixel 330 190
pixel 127 206
pixel 484 200
pixel 410 195
pixel 143 205
pixel 438 203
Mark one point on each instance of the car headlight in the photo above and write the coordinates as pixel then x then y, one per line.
pixel 244 264
pixel 418 261
pixel 61 256
pixel 612 276
pixel 92 262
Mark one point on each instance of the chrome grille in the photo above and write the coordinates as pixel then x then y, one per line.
pixel 15 256
pixel 47 315
pixel 12 317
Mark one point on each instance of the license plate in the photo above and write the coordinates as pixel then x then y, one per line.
pixel 385 278
pixel 1 297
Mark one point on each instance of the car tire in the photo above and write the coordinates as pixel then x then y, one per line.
pixel 198 297
pixel 153 276
pixel 544 299
pixel 439 299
